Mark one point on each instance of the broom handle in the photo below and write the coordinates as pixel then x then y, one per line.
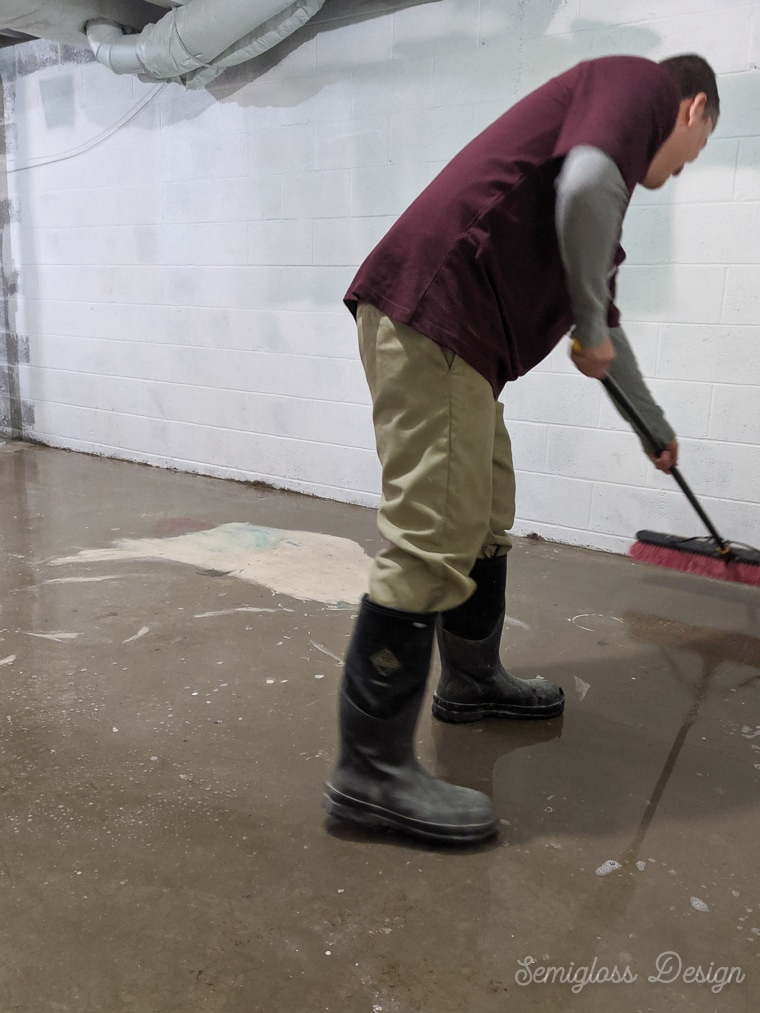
pixel 622 401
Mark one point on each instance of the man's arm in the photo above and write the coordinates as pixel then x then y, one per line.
pixel 591 202
pixel 626 373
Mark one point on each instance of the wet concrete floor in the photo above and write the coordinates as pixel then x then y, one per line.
pixel 164 746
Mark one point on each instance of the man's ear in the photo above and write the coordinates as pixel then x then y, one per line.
pixel 696 110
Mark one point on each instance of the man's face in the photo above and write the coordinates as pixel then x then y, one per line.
pixel 689 136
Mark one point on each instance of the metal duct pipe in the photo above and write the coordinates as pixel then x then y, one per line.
pixel 113 48
pixel 201 34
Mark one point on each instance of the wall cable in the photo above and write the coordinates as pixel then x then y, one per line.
pixel 93 142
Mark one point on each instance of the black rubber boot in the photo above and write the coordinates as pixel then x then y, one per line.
pixel 377 781
pixel 474 683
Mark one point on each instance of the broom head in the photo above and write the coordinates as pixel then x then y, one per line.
pixel 700 556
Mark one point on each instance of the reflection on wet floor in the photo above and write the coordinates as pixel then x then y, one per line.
pixel 169 719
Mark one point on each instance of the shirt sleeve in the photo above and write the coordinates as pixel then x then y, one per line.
pixel 591 202
pixel 625 371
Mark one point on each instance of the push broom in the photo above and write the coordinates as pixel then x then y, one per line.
pixel 707 557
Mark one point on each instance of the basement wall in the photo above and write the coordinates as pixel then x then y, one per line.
pixel 181 257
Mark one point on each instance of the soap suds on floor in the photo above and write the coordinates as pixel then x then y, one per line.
pixel 301 564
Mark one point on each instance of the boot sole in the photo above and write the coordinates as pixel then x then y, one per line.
pixel 354 810
pixel 459 713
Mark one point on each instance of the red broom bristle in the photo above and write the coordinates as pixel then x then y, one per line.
pixel 702 566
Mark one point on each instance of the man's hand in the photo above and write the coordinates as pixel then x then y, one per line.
pixel 594 362
pixel 668 458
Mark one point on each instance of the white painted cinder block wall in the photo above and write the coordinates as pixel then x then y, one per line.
pixel 181 278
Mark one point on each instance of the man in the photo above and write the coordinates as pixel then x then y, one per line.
pixel 513 244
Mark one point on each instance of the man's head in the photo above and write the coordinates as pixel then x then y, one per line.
pixel 698 113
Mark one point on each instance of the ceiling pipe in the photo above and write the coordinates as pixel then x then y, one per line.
pixel 113 48
pixel 203 35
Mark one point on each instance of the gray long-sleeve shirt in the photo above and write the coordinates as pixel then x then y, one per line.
pixel 591 202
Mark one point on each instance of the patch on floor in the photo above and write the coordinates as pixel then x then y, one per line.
pixel 302 564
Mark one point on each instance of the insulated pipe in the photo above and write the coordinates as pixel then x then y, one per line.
pixel 194 35
pixel 258 41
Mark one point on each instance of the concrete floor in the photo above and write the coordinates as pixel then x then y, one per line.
pixel 164 749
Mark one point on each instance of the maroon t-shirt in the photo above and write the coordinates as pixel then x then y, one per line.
pixel 474 262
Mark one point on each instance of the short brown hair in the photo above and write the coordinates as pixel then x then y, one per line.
pixel 693 74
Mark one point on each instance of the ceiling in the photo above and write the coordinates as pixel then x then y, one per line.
pixel 64 20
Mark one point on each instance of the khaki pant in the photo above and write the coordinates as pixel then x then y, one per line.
pixel 448 495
